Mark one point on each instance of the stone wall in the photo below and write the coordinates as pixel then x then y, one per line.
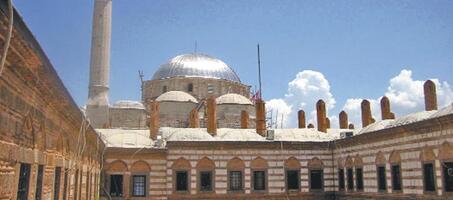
pixel 411 145
pixel 153 88
pixel 127 117
pixel 40 124
pixel 229 115
pixel 408 146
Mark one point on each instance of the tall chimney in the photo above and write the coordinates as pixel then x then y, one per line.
pixel 321 116
pixel 366 113
pixel 212 116
pixel 429 88
pixel 385 109
pixel 327 122
pixel 301 118
pixel 244 119
pixel 97 109
pixel 154 119
pixel 260 117
pixel 343 120
pixel 194 122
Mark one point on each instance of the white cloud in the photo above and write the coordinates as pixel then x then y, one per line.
pixel 303 93
pixel 405 95
pixel 279 110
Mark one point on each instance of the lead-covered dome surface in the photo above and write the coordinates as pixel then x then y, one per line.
pixel 127 104
pixel 196 65
pixel 177 96
pixel 232 98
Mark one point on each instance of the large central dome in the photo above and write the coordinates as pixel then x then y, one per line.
pixel 196 65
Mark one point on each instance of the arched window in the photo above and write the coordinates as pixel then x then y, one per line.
pixel 446 159
pixel 341 184
pixel 292 167
pixel 259 174
pixel 350 173
pixel 316 174
pixel 395 163
pixel 429 176
pixel 140 171
pixel 116 170
pixel 358 165
pixel 190 87
pixel 235 168
pixel 380 169
pixel 181 175
pixel 205 171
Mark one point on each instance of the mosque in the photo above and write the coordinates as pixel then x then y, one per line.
pixel 197 133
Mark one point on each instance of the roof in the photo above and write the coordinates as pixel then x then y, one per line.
pixel 126 138
pixel 178 96
pixel 233 98
pixel 407 119
pixel 128 104
pixel 196 65
pixel 230 134
pixel 140 138
pixel 307 135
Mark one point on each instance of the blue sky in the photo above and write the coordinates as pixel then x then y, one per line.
pixel 358 46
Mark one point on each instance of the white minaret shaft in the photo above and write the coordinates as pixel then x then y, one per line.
pixel 98 103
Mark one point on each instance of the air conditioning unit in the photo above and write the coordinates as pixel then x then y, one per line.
pixel 270 134
pixel 346 134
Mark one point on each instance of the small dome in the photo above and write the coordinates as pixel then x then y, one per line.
pixel 177 96
pixel 233 98
pixel 196 65
pixel 126 138
pixel 185 134
pixel 127 104
pixel 229 134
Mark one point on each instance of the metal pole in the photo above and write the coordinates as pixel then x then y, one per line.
pixel 259 71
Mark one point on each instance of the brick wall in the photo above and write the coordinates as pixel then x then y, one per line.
pixel 39 122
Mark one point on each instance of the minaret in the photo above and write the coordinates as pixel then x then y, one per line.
pixel 97 109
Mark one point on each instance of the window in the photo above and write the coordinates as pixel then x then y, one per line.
pixel 206 181
pixel 116 185
pixel 138 185
pixel 65 184
pixel 428 177
pixel 350 179
pixel 382 182
pixel 235 180
pixel 39 178
pixel 396 177
pixel 56 186
pixel 76 184
pixel 24 179
pixel 259 180
pixel 448 176
pixel 87 193
pixel 359 178
pixel 292 179
pixel 316 179
pixel 164 89
pixel 210 89
pixel 341 179
pixel 190 87
pixel 181 181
